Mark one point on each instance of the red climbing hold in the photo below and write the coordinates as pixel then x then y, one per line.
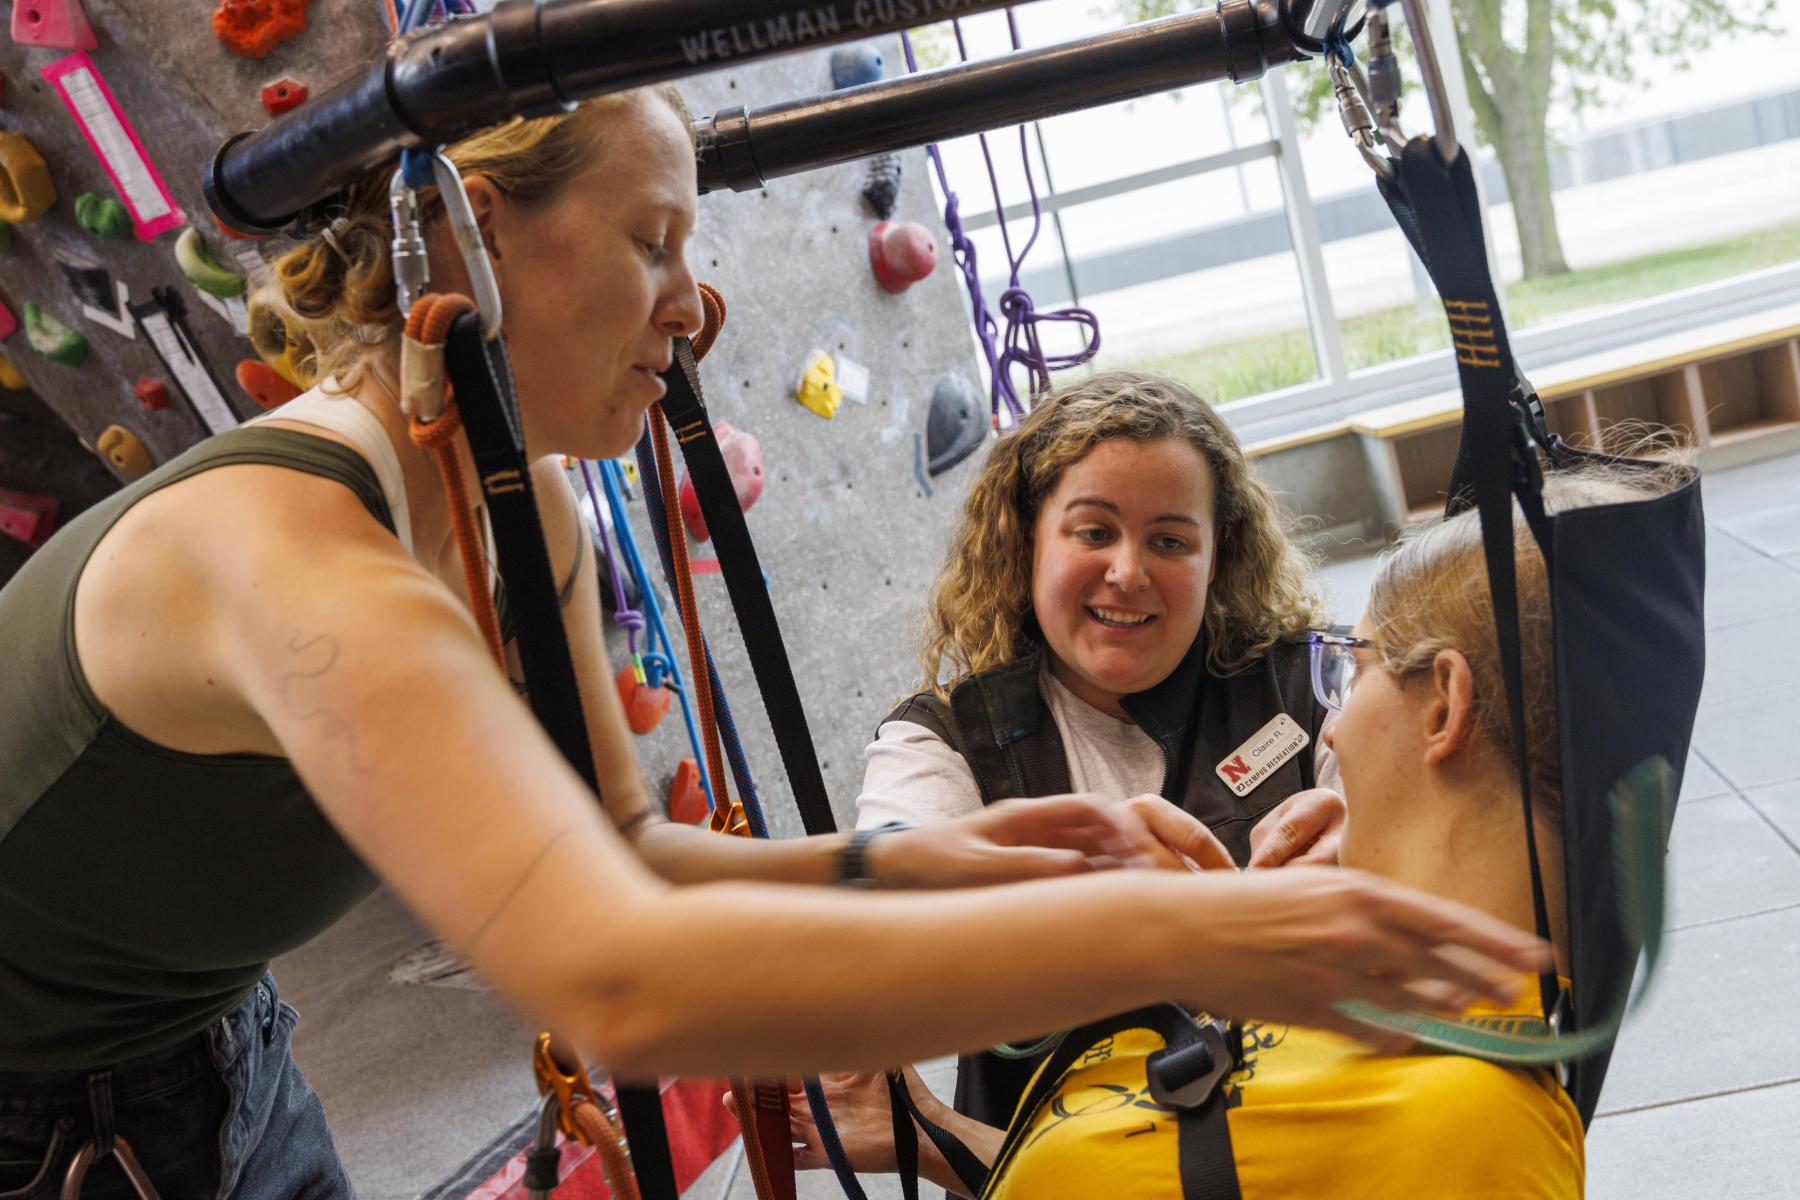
pixel 153 394
pixel 61 24
pixel 252 28
pixel 902 253
pixel 743 458
pixel 645 706
pixel 29 517
pixel 687 799
pixel 284 95
pixel 264 384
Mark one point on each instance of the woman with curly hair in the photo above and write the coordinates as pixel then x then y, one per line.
pixel 1121 613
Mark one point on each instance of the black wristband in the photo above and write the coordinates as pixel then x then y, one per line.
pixel 853 865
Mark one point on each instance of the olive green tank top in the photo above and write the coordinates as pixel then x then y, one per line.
pixel 143 890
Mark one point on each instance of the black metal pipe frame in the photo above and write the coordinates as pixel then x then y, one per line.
pixel 534 57
pixel 525 58
pixel 1237 40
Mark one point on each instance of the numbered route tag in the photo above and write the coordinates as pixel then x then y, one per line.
pixel 1246 768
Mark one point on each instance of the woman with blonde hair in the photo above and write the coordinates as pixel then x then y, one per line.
pixel 248 687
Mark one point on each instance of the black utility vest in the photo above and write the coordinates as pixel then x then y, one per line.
pixel 1001 724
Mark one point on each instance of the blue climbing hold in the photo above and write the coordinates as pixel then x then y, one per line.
pixel 859 62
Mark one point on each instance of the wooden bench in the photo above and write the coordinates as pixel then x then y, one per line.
pixel 1715 387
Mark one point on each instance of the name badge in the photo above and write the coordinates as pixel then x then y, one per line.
pixel 1246 768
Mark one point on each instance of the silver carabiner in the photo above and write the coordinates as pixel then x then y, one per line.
pixel 468 240
pixel 1443 125
pixel 412 265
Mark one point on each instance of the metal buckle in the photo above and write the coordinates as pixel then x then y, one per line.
pixel 1186 1078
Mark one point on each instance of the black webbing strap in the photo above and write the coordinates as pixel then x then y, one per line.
pixel 1496 457
pixel 685 408
pixel 1207 1166
pixel 905 1110
pixel 482 378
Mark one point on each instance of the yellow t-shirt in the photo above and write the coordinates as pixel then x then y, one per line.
pixel 1311 1114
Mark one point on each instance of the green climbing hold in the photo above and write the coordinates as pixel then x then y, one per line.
pixel 5 237
pixel 102 216
pixel 202 269
pixel 52 339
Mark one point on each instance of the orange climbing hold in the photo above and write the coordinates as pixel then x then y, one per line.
pixel 252 28
pixel 153 394
pixel 644 705
pixel 264 384
pixel 687 799
pixel 282 96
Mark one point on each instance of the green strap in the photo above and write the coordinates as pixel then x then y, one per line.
pixel 1642 805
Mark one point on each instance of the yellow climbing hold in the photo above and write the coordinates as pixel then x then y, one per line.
pixel 277 344
pixel 10 379
pixel 120 447
pixel 26 192
pixel 818 387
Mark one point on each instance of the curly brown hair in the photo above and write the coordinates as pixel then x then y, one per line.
pixel 976 617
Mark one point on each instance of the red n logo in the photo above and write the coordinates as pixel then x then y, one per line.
pixel 1235 769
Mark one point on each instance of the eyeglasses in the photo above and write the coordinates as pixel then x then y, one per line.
pixel 1334 665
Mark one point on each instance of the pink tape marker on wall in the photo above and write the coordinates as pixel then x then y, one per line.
pixel 116 144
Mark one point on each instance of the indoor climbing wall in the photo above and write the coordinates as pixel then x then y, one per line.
pixel 129 303
pixel 129 298
pixel 850 526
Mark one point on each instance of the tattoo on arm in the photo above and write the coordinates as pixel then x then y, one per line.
pixel 313 658
pixel 525 877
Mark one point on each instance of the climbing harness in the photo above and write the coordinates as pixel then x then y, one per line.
pixel 1020 345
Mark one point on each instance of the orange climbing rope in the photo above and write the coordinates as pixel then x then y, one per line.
pixel 426 327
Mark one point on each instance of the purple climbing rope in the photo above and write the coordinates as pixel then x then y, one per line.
pixel 1021 345
pixel 625 617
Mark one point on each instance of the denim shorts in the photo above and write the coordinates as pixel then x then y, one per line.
pixel 226 1114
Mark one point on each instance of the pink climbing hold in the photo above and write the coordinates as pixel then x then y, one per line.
pixel 743 458
pixel 8 322
pixel 27 516
pixel 61 24
pixel 902 253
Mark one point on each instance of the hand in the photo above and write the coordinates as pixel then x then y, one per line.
pixel 1179 842
pixel 1307 827
pixel 1011 841
pixel 860 1110
pixel 1293 943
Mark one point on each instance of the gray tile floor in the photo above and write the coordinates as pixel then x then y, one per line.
pixel 1704 1095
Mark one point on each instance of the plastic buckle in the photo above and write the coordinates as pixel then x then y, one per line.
pixel 567 1085
pixel 1186 1078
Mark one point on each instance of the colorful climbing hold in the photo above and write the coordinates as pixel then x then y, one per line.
pixel 687 799
pixel 8 322
pixel 264 384
pixel 59 24
pixel 743 459
pixel 275 343
pixel 882 190
pixel 26 192
pixel 956 424
pixel 52 339
pixel 28 516
pixel 102 216
pixel 252 28
pixel 10 379
pixel 153 394
pixel 121 447
pixel 202 269
pixel 902 253
pixel 859 62
pixel 818 388
pixel 645 706
pixel 284 95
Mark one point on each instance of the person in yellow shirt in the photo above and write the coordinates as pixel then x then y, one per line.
pixel 1423 740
